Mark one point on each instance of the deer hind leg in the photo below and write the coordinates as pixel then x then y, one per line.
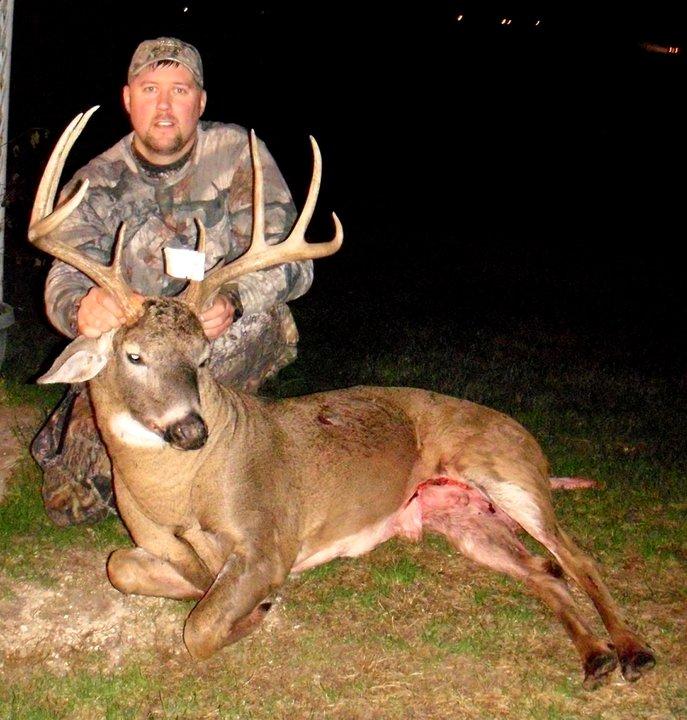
pixel 636 657
pixel 533 511
pixel 488 541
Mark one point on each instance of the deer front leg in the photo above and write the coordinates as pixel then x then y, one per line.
pixel 138 572
pixel 162 565
pixel 234 605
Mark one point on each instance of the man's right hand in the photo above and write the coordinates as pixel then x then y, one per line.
pixel 99 312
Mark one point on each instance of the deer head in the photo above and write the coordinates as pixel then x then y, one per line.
pixel 150 365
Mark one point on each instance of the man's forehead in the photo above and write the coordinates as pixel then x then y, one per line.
pixel 168 73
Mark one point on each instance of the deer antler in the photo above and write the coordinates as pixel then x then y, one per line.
pixel 260 255
pixel 44 220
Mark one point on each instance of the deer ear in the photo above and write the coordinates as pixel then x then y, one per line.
pixel 81 360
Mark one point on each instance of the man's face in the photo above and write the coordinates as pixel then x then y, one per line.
pixel 164 105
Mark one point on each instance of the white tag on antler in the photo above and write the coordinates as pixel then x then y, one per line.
pixel 183 263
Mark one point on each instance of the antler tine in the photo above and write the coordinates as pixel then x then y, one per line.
pixel 192 294
pixel 298 230
pixel 47 189
pixel 260 255
pixel 44 220
pixel 257 239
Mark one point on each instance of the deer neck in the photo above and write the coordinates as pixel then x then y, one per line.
pixel 159 477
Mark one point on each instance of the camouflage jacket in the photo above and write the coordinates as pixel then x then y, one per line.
pixel 213 184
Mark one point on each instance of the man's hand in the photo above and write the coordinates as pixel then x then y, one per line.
pixel 99 312
pixel 218 317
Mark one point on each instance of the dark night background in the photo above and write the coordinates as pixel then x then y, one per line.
pixel 484 172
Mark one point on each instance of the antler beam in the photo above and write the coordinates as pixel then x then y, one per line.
pixel 260 255
pixel 44 220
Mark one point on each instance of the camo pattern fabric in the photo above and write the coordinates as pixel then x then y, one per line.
pixel 77 476
pixel 215 185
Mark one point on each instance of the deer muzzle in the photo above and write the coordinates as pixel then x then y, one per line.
pixel 188 433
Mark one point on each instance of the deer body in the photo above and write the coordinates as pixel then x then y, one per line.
pixel 319 449
pixel 293 483
pixel 225 494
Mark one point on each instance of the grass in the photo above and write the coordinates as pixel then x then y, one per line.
pixel 411 631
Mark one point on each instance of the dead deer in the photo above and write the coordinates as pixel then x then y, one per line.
pixel 225 493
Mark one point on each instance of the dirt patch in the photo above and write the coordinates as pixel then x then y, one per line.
pixel 77 611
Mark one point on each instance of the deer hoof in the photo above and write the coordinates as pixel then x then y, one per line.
pixel 597 666
pixel 634 664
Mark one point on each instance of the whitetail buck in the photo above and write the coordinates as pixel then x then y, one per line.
pixel 225 493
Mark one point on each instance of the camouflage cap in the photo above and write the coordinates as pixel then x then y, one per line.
pixel 167 48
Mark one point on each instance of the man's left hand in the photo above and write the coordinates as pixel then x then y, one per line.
pixel 217 318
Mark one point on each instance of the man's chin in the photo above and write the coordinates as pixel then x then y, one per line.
pixel 164 149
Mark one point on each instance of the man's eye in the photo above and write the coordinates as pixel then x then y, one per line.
pixel 180 91
pixel 134 358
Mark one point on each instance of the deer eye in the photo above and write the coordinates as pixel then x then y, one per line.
pixel 134 358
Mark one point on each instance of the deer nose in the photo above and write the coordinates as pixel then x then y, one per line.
pixel 189 433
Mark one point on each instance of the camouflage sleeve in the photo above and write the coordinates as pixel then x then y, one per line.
pixel 65 285
pixel 264 289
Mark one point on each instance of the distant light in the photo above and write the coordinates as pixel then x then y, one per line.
pixel 537 23
pixel 506 21
pixel 459 18
pixel 661 49
pixel 185 9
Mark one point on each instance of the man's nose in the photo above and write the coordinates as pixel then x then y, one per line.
pixel 163 100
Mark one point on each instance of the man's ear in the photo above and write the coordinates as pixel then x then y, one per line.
pixel 203 102
pixel 126 97
pixel 81 360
